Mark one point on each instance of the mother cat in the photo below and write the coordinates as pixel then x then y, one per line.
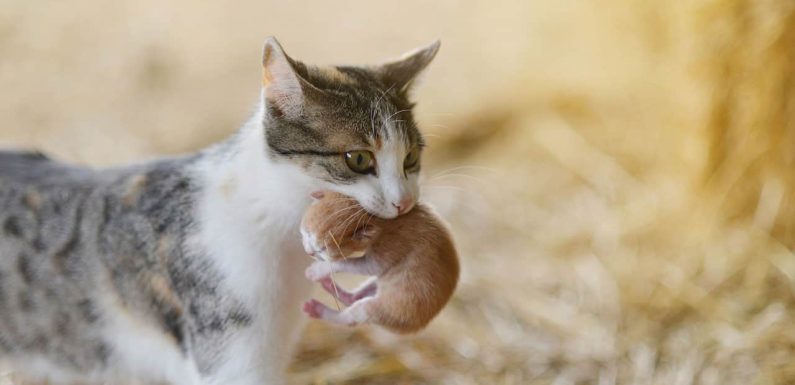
pixel 190 269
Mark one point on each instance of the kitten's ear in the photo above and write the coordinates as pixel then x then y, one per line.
pixel 366 232
pixel 284 87
pixel 317 195
pixel 401 73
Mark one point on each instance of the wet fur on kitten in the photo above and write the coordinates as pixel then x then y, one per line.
pixel 412 258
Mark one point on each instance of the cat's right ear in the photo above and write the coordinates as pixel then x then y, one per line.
pixel 285 90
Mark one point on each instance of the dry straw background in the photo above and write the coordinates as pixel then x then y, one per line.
pixel 619 174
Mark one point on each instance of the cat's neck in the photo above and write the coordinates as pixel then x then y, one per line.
pixel 248 212
pixel 242 182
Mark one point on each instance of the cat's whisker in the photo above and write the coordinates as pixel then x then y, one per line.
pixel 439 114
pixel 431 136
pixel 467 167
pixel 337 213
pixel 390 116
pixel 465 176
pixel 331 275
pixel 461 189
pixel 351 219
pixel 358 221
pixel 376 108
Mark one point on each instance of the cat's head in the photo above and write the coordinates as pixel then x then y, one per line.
pixel 350 129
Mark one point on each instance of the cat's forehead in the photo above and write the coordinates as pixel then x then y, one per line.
pixel 361 106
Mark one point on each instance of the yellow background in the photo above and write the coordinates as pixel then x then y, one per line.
pixel 618 173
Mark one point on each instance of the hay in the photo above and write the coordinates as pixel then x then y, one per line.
pixel 751 124
pixel 618 176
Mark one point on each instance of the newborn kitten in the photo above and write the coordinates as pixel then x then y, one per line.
pixel 412 258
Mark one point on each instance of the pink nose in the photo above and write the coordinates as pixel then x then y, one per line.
pixel 404 205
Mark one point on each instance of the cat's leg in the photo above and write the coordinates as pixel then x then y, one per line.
pixel 260 353
pixel 366 289
pixel 356 314
pixel 362 266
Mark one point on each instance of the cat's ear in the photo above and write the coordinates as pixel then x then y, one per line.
pixel 284 87
pixel 400 74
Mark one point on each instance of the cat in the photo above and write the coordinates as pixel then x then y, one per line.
pixel 189 269
pixel 412 258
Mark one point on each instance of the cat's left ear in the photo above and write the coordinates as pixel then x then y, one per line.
pixel 401 74
pixel 282 80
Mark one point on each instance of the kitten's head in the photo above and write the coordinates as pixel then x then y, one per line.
pixel 351 129
pixel 335 227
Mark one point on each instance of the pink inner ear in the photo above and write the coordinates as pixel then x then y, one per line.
pixel 317 194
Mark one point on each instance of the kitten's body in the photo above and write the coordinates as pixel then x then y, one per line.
pixel 412 258
pixel 190 270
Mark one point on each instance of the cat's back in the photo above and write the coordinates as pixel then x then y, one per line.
pixel 31 168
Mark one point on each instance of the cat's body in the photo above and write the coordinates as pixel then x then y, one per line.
pixel 135 272
pixel 412 259
pixel 190 270
pixel 75 246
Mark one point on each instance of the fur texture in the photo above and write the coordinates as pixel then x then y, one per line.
pixel 190 270
pixel 412 257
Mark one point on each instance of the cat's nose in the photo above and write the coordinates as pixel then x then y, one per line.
pixel 404 205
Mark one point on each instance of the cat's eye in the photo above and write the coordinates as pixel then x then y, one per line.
pixel 412 158
pixel 362 162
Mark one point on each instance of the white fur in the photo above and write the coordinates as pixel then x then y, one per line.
pixel 249 215
pixel 147 353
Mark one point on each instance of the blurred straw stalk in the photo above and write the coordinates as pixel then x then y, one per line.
pixel 642 238
pixel 751 120
pixel 618 175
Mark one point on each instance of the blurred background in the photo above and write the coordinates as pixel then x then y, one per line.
pixel 618 174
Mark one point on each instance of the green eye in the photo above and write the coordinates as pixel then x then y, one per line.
pixel 412 158
pixel 360 161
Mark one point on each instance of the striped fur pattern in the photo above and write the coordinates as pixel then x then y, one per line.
pixel 189 270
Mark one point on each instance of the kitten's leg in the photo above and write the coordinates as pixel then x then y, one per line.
pixel 367 289
pixel 352 316
pixel 362 266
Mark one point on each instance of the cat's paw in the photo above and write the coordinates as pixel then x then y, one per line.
pixel 314 309
pixel 318 270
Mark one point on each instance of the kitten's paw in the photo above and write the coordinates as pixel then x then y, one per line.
pixel 317 271
pixel 314 309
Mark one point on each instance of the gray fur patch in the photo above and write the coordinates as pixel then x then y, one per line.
pixel 65 227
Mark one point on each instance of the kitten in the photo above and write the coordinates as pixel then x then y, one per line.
pixel 189 269
pixel 412 258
